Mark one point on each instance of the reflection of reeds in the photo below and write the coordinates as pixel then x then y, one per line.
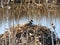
pixel 19 10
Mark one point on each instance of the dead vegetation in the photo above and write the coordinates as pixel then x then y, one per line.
pixel 28 34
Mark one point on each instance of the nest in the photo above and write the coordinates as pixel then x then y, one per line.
pixel 31 31
pixel 30 34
